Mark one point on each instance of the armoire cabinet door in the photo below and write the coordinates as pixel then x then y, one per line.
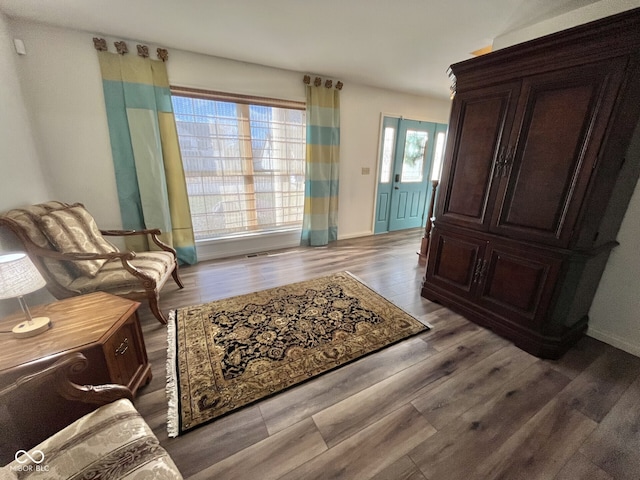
pixel 558 128
pixel 481 121
pixel 518 283
pixel 455 262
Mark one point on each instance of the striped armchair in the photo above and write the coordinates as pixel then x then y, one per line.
pixel 75 257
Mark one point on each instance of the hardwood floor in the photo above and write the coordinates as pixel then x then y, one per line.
pixel 455 402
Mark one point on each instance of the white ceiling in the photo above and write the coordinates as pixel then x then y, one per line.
pixel 404 45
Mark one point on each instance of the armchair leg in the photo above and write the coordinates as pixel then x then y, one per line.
pixel 176 277
pixel 154 305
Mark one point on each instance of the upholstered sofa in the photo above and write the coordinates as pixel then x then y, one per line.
pixel 112 442
pixel 75 257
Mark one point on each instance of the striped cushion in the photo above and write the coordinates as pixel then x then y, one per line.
pixel 29 219
pixel 73 230
pixel 113 278
pixel 113 442
pixel 6 474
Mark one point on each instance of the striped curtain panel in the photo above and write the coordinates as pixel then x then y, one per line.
pixel 320 220
pixel 144 141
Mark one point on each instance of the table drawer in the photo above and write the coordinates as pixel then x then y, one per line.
pixel 123 355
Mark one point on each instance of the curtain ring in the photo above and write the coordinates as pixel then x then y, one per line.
pixel 100 44
pixel 163 54
pixel 121 47
pixel 143 51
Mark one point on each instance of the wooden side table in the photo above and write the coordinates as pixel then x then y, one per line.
pixel 104 327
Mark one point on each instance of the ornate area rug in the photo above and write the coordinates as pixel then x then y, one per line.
pixel 230 353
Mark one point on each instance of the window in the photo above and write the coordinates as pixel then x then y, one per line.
pixel 244 161
pixel 436 169
pixel 414 151
pixel 387 154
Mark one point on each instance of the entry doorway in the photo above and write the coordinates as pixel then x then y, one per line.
pixel 411 154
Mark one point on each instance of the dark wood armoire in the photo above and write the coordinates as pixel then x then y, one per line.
pixel 542 157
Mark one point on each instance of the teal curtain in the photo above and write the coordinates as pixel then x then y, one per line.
pixel 146 154
pixel 320 220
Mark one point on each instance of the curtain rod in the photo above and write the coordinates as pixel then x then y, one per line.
pixel 236 98
pixel 100 44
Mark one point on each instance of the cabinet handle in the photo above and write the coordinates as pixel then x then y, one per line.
pixel 506 165
pixel 499 163
pixel 123 347
pixel 480 271
pixel 483 271
pixel 476 271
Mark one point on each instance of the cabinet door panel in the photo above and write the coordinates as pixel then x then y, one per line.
pixel 560 116
pixel 453 260
pixel 518 283
pixel 481 119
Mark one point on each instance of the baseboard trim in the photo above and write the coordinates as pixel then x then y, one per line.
pixel 614 341
pixel 355 235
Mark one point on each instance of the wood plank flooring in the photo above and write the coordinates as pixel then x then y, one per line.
pixel 455 402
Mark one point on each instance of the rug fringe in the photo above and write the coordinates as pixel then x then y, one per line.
pixel 173 420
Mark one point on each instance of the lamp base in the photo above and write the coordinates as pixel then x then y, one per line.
pixel 37 326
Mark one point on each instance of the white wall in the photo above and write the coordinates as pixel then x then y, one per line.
pixel 614 317
pixel 361 109
pixel 615 313
pixel 61 77
pixel 21 179
pixel 62 86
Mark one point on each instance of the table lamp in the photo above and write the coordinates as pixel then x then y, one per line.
pixel 18 276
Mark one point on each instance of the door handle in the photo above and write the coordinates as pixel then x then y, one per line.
pixel 396 188
pixel 397 177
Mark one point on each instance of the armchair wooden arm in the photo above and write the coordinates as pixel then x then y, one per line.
pixel 147 231
pixel 58 374
pixel 38 404
pixel 152 232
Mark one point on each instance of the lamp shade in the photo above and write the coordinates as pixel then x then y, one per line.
pixel 18 276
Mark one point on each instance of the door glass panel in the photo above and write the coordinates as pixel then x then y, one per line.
pixel 436 170
pixel 387 154
pixel 413 161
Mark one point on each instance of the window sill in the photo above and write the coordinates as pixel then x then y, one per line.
pixel 246 244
